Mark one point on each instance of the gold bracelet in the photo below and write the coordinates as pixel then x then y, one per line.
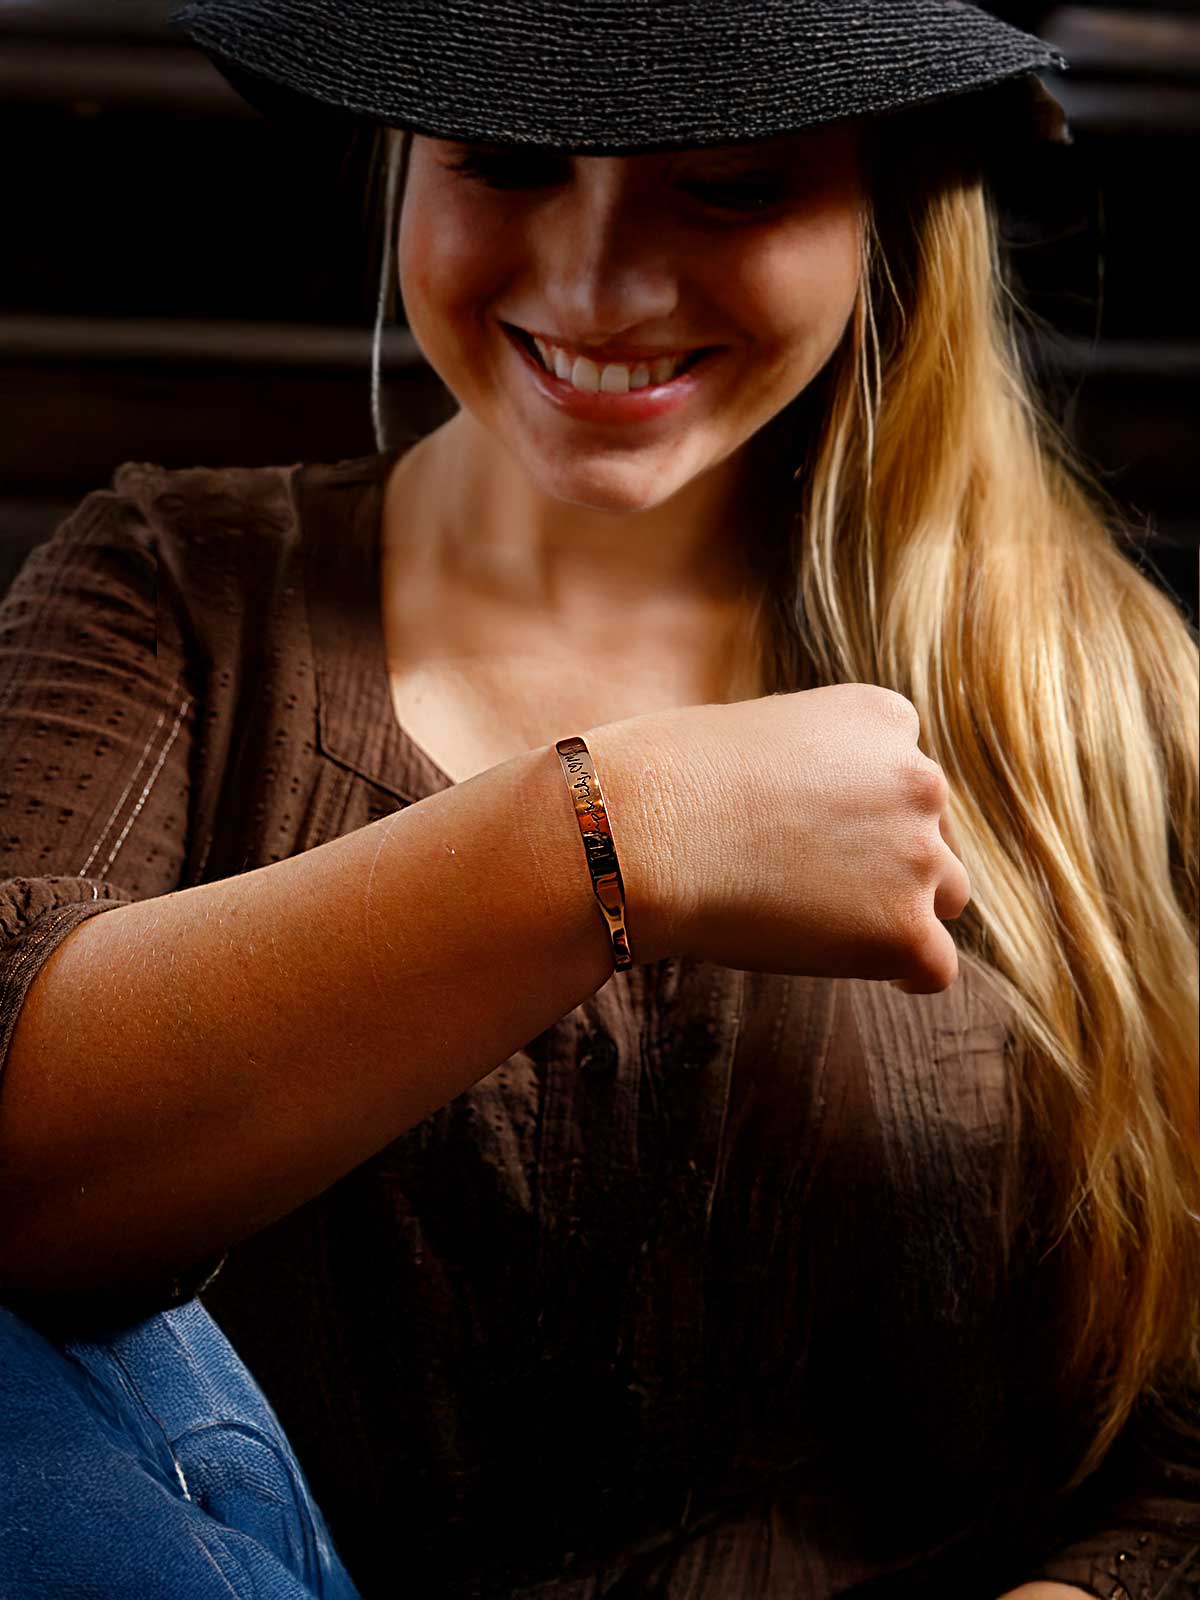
pixel 599 847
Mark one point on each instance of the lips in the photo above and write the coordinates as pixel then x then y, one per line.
pixel 588 373
pixel 645 404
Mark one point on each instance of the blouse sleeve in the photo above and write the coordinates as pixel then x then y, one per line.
pixel 1133 1531
pixel 97 721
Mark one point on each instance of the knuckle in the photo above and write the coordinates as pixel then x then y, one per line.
pixel 934 960
pixel 898 708
pixel 927 856
pixel 927 785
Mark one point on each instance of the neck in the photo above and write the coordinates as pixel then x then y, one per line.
pixel 485 525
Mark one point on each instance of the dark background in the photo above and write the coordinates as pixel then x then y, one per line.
pixel 181 284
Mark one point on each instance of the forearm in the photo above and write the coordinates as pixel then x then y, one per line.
pixel 188 1068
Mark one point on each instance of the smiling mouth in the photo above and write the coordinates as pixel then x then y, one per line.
pixel 525 340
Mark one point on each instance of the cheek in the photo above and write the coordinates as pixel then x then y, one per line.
pixel 448 270
pixel 798 285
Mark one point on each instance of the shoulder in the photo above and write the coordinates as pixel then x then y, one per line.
pixel 149 514
pixel 263 511
pixel 213 535
pixel 197 504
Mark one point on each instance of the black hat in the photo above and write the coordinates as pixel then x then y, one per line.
pixel 614 77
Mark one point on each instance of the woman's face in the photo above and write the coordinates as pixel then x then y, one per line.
pixel 742 262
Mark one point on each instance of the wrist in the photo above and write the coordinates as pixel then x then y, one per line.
pixel 635 780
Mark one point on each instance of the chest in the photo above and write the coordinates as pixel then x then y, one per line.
pixel 474 690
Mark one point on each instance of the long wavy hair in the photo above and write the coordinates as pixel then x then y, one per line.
pixel 945 543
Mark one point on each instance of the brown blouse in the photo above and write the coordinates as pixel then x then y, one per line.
pixel 703 1293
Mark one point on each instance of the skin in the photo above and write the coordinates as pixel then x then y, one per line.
pixel 550 513
pixel 1046 1591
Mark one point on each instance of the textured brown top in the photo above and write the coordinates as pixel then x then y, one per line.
pixel 700 1294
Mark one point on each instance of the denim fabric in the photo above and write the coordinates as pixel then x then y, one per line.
pixel 148 1464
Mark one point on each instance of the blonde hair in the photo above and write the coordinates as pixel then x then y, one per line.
pixel 945 545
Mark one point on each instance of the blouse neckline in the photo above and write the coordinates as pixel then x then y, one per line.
pixel 339 515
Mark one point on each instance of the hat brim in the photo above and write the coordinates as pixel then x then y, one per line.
pixel 613 81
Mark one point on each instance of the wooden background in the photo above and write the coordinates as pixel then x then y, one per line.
pixel 179 284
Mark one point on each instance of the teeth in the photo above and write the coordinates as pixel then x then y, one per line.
pixel 615 377
pixel 585 375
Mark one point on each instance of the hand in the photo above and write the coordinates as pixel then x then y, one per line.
pixel 1046 1591
pixel 796 833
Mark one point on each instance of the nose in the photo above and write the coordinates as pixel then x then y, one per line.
pixel 606 268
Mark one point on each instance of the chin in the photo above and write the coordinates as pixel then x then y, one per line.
pixel 620 487
pixel 611 494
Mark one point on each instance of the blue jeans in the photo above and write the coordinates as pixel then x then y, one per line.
pixel 149 1464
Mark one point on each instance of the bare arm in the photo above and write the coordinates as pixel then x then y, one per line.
pixel 188 1068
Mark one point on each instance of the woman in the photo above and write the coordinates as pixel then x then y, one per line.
pixel 743 1273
